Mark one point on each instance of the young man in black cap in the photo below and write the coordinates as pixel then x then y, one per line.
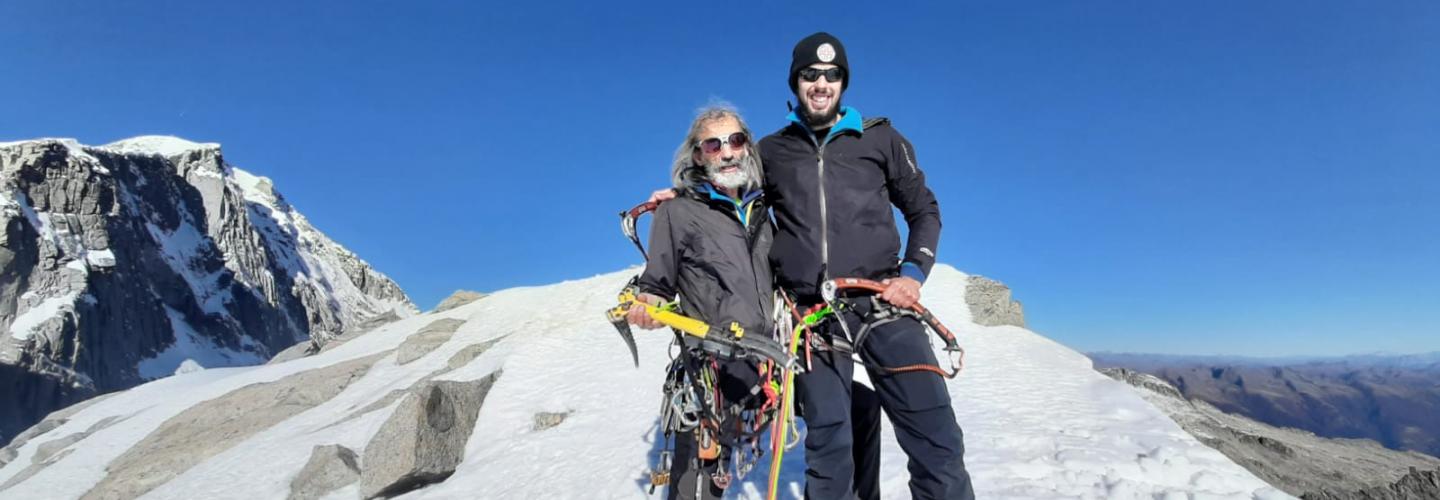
pixel 832 178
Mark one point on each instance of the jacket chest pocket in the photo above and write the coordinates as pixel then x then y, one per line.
pixel 859 180
pixel 718 250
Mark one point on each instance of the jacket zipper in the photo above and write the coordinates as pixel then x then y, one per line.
pixel 749 232
pixel 752 235
pixel 824 218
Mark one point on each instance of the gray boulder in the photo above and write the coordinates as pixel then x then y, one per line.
pixel 459 359
pixel 546 420
pixel 991 305
pixel 302 350
pixel 330 468
pixel 427 339
pixel 457 299
pixel 424 439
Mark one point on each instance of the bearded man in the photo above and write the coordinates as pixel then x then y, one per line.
pixel 710 247
pixel 832 178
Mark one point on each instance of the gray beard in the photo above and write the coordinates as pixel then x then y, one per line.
pixel 734 180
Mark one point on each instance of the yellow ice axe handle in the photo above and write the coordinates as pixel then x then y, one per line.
pixel 671 319
pixel 685 324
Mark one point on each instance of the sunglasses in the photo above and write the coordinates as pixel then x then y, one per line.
pixel 712 145
pixel 832 75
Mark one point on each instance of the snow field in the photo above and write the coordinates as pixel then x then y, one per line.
pixel 1038 421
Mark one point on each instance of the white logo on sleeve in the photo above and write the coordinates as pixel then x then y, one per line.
pixel 909 158
pixel 825 52
pixel 927 251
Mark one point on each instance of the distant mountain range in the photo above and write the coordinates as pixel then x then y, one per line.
pixel 1296 461
pixel 1423 361
pixel 1392 399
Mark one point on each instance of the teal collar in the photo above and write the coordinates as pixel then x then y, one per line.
pixel 717 195
pixel 739 205
pixel 850 119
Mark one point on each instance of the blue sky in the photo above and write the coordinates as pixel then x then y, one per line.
pixel 1230 177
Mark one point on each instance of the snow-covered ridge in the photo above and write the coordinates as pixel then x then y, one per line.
pixel 70 142
pixel 162 145
pixel 1038 421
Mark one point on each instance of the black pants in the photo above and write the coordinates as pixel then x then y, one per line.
pixel 917 403
pixel 865 430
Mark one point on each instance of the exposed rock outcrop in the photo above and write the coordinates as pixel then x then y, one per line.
pixel 317 346
pixel 424 439
pixel 1415 484
pixel 151 256
pixel 990 303
pixel 330 468
pixel 50 422
pixel 212 427
pixel 547 419
pixel 427 339
pixel 52 451
pixel 457 299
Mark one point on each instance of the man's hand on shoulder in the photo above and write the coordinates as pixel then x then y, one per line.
pixel 903 291
pixel 662 196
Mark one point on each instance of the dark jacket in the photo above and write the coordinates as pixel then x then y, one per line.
pixel 832 202
pixel 700 250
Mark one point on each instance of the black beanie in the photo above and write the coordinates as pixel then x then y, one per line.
pixel 821 47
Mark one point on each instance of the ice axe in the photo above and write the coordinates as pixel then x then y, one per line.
pixel 731 341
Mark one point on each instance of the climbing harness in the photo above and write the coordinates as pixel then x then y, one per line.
pixel 834 293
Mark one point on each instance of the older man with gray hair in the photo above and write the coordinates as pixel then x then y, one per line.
pixel 710 247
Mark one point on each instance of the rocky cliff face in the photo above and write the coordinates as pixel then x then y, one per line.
pixel 1294 460
pixel 132 261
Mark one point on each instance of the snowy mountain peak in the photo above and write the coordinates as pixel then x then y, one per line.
pixel 151 256
pixel 163 145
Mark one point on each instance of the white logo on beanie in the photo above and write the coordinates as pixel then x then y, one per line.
pixel 825 52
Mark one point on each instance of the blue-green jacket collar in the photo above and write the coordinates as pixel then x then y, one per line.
pixel 850 119
pixel 717 195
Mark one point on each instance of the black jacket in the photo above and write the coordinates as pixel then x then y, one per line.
pixel 832 204
pixel 719 268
